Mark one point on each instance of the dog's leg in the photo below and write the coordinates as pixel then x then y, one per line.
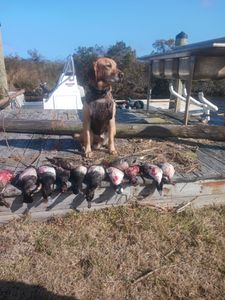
pixel 112 132
pixel 87 136
pixel 87 141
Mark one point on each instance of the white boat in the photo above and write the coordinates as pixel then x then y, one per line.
pixel 67 94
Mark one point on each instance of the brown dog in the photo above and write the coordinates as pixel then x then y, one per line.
pixel 99 108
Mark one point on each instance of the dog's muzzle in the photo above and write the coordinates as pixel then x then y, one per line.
pixel 115 78
pixel 119 77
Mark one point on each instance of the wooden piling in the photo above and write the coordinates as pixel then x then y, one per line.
pixel 3 77
pixel 181 40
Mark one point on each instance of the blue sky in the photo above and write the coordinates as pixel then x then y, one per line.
pixel 55 28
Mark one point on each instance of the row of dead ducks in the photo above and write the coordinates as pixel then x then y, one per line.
pixel 82 179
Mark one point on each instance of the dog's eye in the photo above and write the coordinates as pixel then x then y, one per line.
pixel 108 65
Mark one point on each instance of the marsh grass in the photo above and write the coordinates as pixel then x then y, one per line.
pixel 119 253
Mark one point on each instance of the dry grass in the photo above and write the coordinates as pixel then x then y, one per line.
pixel 182 154
pixel 117 253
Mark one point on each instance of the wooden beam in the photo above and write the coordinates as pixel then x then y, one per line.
pixel 60 127
pixel 39 126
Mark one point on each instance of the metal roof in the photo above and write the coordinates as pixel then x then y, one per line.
pixel 215 47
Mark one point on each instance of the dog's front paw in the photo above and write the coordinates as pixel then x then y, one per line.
pixel 88 154
pixel 112 151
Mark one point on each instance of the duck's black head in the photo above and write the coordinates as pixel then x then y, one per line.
pixel 47 186
pixel 28 187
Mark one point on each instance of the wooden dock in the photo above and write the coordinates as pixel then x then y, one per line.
pixel 193 188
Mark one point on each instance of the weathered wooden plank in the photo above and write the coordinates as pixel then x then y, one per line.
pixel 170 115
pixel 45 143
pixel 207 169
pixel 197 194
pixel 193 202
pixel 215 168
pixel 187 177
pixel 40 114
pixel 68 146
pixel 12 148
pixel 215 152
pixel 207 173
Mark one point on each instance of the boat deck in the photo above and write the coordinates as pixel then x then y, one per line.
pixel 197 187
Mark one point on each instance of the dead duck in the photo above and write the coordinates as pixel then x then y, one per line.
pixel 120 163
pixel 27 182
pixel 168 172
pixel 116 177
pixel 47 178
pixel 132 172
pixel 77 176
pixel 65 163
pixel 93 178
pixel 62 178
pixel 5 178
pixel 154 172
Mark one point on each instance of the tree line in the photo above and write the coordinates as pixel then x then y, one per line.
pixel 29 73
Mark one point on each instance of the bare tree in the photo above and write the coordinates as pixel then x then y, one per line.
pixel 162 45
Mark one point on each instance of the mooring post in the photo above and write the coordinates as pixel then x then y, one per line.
pixel 3 77
pixel 180 40
pixel 149 92
pixel 189 86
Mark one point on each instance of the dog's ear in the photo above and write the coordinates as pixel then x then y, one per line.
pixel 98 67
pixel 95 67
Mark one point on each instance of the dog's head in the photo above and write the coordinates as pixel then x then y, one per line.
pixel 106 71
